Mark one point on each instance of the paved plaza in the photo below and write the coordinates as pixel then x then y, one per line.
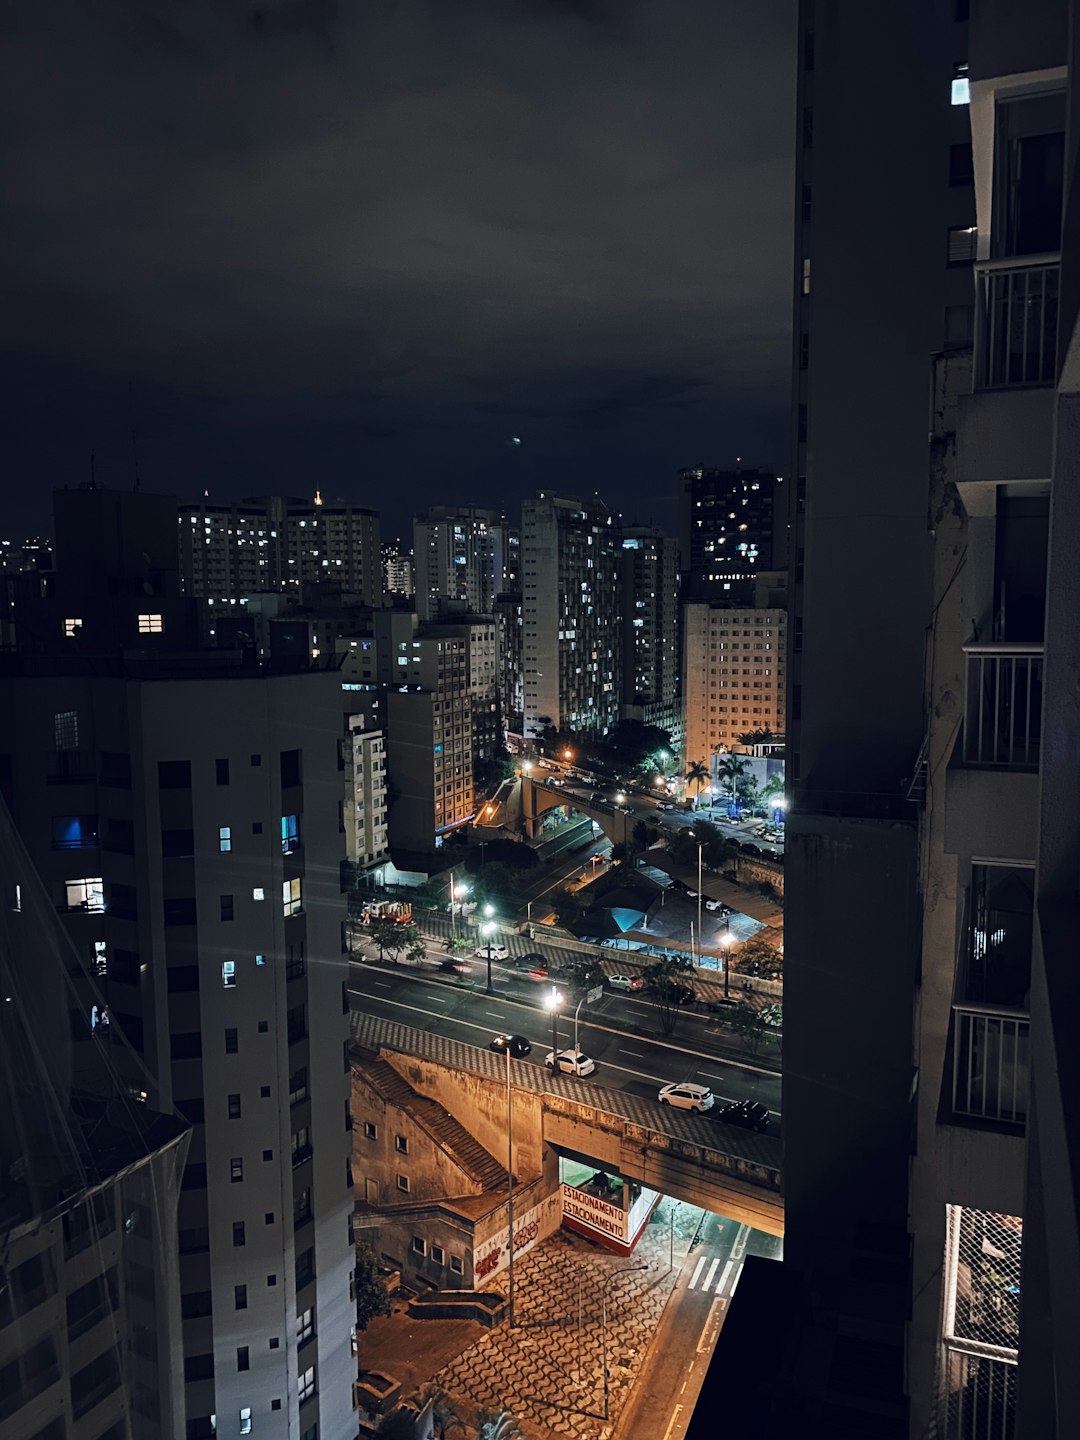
pixel 547 1372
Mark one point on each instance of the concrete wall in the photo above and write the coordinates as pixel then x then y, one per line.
pixel 431 1171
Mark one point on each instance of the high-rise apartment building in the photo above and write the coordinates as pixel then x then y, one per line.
pixel 571 615
pixel 732 525
pixel 89 1185
pixel 930 1160
pixel 231 551
pixel 649 578
pixel 735 668
pixel 183 812
pixel 399 572
pixel 464 557
pixel 365 801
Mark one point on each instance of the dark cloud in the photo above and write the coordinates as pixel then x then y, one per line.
pixel 302 243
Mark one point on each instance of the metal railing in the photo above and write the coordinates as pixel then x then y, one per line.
pixel 980 1398
pixel 990 1064
pixel 1003 708
pixel 1016 320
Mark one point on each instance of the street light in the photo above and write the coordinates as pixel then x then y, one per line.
pixel 568 754
pixel 552 1001
pixel 626 1270
pixel 700 849
pixel 486 930
pixel 620 797
pixel 726 941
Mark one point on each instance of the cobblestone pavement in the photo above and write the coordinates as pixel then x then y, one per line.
pixel 547 1371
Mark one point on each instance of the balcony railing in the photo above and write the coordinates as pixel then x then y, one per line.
pixel 1003 720
pixel 1016 322
pixel 990 1064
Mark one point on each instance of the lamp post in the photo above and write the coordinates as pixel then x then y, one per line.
pixel 671 1239
pixel 510 1188
pixel 626 1270
pixel 700 849
pixel 486 930
pixel 726 941
pixel 453 912
pixel 552 1001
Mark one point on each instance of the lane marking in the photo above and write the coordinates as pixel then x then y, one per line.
pixel 712 1271
pixel 697 1271
pixel 673 1421
pixel 725 1276
pixel 624 1034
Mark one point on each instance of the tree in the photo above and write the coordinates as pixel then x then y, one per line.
pixel 758 737
pixel 732 769
pixel 664 979
pixel 747 1023
pixel 733 850
pixel 697 773
pixel 585 975
pixel 393 938
pixel 566 905
pixel 774 785
pixel 619 852
pixel 371 1297
pixel 757 956
pixel 444 1416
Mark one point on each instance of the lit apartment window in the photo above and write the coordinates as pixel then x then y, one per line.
pixel 960 92
pixel 72 628
pixel 150 625
pixel 228 974
pixel 224 838
pixel 291 899
pixel 290 833
pixel 245 1420
pixel 86 894
pixel 305 1327
pixel 307 1385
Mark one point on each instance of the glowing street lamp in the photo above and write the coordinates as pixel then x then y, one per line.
pixel 620 797
pixel 568 754
pixel 553 1001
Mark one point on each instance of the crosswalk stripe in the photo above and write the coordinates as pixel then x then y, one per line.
pixel 697 1271
pixel 724 1277
pixel 712 1271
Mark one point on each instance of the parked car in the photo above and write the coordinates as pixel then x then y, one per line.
pixel 682 994
pixel 773 1016
pixel 458 966
pixel 597 798
pixel 631 983
pixel 570 1062
pixel 530 961
pixel 750 1114
pixel 687 1097
pixel 492 952
pixel 719 905
pixel 749 849
pixel 518 1046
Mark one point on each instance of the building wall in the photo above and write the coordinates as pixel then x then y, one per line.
pixel 365 802
pixel 164 866
pixel 732 524
pixel 572 654
pixel 734 676
pixel 649 571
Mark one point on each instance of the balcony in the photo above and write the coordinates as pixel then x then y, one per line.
pixel 1016 322
pixel 990 1064
pixel 1003 706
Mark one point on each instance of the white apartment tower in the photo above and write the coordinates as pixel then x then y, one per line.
pixel 464 557
pixel 571 608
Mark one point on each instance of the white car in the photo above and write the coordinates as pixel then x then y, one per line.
pixel 687 1097
pixel 630 983
pixel 492 952
pixel 773 1017
pixel 570 1062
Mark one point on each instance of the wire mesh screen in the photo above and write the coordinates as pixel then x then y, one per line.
pixel 981 1325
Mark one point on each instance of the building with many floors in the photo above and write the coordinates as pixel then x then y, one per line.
pixel 930 1151
pixel 649 578
pixel 230 551
pixel 571 615
pixel 464 557
pixel 735 664
pixel 732 524
pixel 185 813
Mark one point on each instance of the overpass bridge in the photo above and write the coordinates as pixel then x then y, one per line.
pixel 690 1157
pixel 518 806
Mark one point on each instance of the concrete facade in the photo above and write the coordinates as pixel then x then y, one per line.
pixel 734 669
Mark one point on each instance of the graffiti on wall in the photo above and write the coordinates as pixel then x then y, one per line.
pixel 537 1222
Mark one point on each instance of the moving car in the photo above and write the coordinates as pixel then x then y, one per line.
pixel 457 966
pixel 750 1114
pixel 631 983
pixel 518 1046
pixel 687 1097
pixel 570 1062
pixel 492 952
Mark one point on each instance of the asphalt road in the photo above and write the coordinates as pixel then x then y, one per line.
pixel 621 1032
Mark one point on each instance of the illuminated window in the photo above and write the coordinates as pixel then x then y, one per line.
pixel 960 93
pixel 291 898
pixel 228 974
pixel 224 838
pixel 150 625
pixel 72 627
pixel 86 894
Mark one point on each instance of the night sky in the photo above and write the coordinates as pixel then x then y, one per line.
pixel 362 245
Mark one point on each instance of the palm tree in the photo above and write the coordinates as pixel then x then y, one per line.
pixel 697 773
pixel 774 785
pixel 732 769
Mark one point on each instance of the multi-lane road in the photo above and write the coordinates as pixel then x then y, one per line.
pixel 621 1032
